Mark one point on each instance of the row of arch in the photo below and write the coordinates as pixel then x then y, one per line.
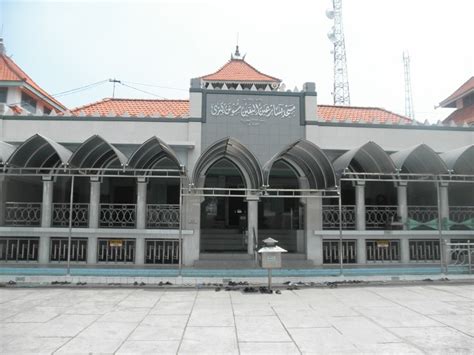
pixel 308 161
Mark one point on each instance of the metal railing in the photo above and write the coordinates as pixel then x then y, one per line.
pixel 19 249
pixel 116 251
pixel 331 217
pixel 162 216
pixel 80 214
pixel 460 214
pixel 460 254
pixel 161 251
pixel 59 249
pixel 380 216
pixel 22 213
pixel 424 250
pixel 331 253
pixel 383 250
pixel 423 213
pixel 114 215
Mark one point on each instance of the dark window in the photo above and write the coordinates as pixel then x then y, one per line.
pixel 3 95
pixel 46 111
pixel 28 103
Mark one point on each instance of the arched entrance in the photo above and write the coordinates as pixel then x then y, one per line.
pixel 224 219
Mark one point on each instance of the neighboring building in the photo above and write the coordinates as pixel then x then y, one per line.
pixel 463 100
pixel 248 160
pixel 19 93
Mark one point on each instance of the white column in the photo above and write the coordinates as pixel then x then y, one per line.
pixel 140 250
pixel 43 251
pixel 360 205
pixel 404 249
pixel 3 199
pixel 444 203
pixel 47 204
pixel 402 204
pixel 361 251
pixel 94 203
pixel 92 250
pixel 252 222
pixel 141 203
pixel 314 222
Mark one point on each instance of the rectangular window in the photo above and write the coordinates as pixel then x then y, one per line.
pixel 3 95
pixel 28 103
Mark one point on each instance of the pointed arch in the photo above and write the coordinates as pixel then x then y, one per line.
pixel 420 159
pixel 150 153
pixel 234 151
pixel 39 152
pixel 368 158
pixel 308 161
pixel 96 153
pixel 6 151
pixel 460 160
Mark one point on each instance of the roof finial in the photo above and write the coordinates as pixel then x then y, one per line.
pixel 237 55
pixel 2 47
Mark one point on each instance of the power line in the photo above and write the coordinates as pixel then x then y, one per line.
pixel 154 86
pixel 81 88
pixel 146 92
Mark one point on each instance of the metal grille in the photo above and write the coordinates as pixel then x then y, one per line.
pixel 423 213
pixel 117 215
pixel 162 216
pixel 380 217
pixel 424 250
pixel 19 249
pixel 331 217
pixel 375 252
pixel 331 251
pixel 22 214
pixel 461 214
pixel 80 214
pixel 160 251
pixel 461 253
pixel 59 249
pixel 108 253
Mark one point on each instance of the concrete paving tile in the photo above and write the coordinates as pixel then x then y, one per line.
pixel 244 309
pixel 165 320
pixel 178 307
pixel 388 348
pixel 209 340
pixel 301 318
pixel 273 348
pixel 33 345
pixel 32 316
pixel 148 347
pixel 112 330
pixel 207 316
pixel 431 293
pixel 463 305
pixel 333 310
pixel 359 330
pixel 91 308
pixel 156 332
pixel 430 307
pixel 396 316
pixel 321 341
pixel 260 328
pixel 442 339
pixel 64 326
pixel 463 323
pixel 87 346
pixel 132 315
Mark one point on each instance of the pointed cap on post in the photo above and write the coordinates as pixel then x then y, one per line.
pixel 2 47
pixel 270 242
pixel 236 55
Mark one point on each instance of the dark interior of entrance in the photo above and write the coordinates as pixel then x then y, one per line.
pixel 224 219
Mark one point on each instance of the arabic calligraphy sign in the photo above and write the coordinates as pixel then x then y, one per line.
pixel 252 111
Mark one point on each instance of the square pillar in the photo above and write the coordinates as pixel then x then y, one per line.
pixel 3 198
pixel 444 203
pixel 141 203
pixel 314 222
pixel 92 250
pixel 47 203
pixel 252 223
pixel 404 249
pixel 360 205
pixel 361 251
pixel 140 251
pixel 43 250
pixel 94 203
pixel 402 204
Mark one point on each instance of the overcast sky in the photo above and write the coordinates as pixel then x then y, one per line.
pixel 65 45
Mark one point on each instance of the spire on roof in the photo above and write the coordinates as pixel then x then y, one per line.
pixel 2 47
pixel 236 55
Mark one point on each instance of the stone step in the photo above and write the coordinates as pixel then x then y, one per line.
pixel 225 256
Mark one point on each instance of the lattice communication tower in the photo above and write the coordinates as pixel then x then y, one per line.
pixel 409 112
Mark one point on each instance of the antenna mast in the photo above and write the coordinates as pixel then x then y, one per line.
pixel 409 112
pixel 336 36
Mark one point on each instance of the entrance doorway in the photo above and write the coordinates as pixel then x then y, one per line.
pixel 224 219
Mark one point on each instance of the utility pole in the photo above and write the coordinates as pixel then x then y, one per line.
pixel 409 111
pixel 336 36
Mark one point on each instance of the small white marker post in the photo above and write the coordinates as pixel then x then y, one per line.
pixel 271 257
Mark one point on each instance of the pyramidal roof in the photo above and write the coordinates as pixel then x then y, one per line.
pixel 463 90
pixel 238 70
pixel 10 71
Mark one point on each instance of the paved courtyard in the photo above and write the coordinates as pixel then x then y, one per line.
pixel 399 320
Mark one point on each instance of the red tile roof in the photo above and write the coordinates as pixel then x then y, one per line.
pixel 10 71
pixel 238 70
pixel 135 107
pixel 464 89
pixel 462 115
pixel 358 114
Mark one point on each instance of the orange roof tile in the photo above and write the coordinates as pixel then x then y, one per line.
pixel 358 114
pixel 238 70
pixel 463 115
pixel 464 89
pixel 10 71
pixel 135 107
